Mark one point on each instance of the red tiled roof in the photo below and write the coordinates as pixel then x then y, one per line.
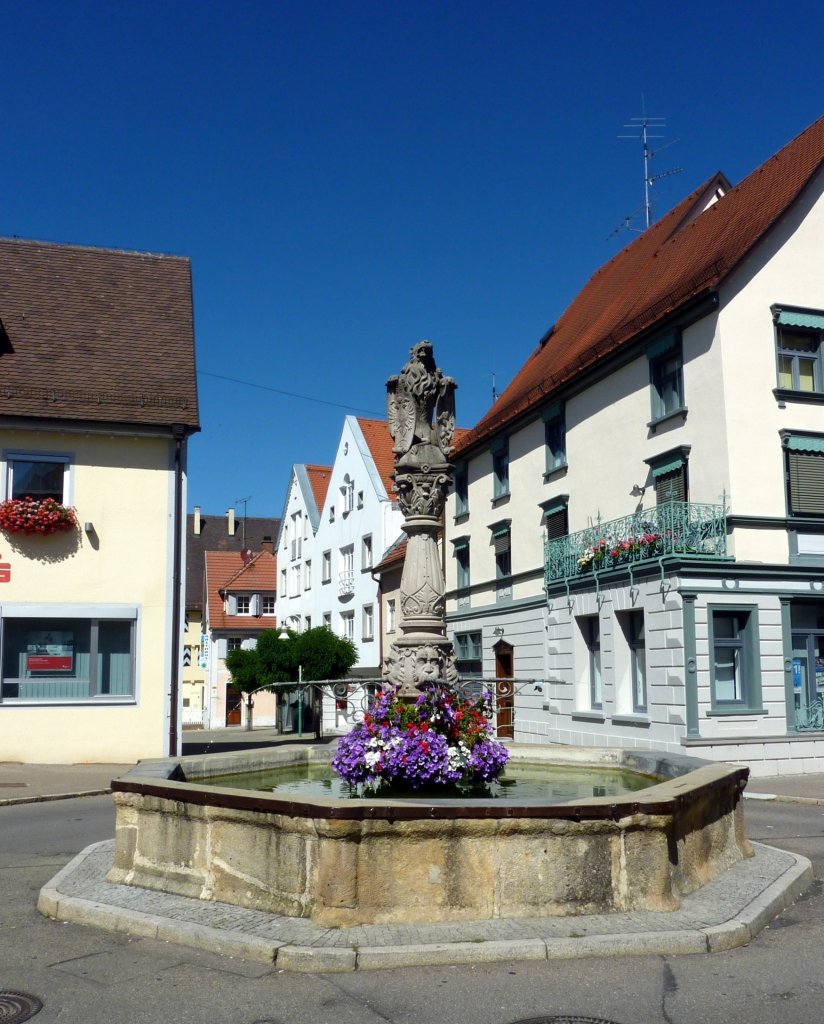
pixel 377 437
pixel 394 556
pixel 678 258
pixel 214 536
pixel 225 570
pixel 96 334
pixel 319 477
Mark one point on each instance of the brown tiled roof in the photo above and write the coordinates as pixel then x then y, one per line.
pixel 214 536
pixel 394 555
pixel 680 257
pixel 226 570
pixel 377 437
pixel 96 334
pixel 319 477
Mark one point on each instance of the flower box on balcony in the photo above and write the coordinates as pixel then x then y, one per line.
pixel 32 515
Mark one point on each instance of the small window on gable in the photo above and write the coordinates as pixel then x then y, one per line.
pixel 38 476
pixel 326 567
pixel 799 349
pixel 366 552
pixel 666 377
pixel 805 474
pixel 555 438
pixel 669 475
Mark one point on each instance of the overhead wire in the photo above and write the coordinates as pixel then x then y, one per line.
pixel 290 394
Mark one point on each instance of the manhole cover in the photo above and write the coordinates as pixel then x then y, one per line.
pixel 564 1019
pixel 16 1007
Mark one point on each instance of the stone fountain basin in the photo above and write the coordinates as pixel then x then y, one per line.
pixel 371 861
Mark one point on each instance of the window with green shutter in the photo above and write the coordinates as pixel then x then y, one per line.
pixel 805 474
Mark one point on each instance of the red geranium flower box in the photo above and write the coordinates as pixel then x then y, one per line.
pixel 33 515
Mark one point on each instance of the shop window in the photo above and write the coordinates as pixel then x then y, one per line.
pixel 60 659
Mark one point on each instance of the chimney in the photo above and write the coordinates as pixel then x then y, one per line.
pixel 267 545
pixel 230 521
pixel 197 524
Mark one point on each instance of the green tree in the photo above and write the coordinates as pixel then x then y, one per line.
pixel 275 664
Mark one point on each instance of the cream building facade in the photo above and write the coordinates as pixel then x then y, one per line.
pixel 637 529
pixel 91 618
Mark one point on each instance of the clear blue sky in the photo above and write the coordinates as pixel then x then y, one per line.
pixel 350 177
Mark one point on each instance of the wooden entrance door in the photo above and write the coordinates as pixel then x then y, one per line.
pixel 234 701
pixel 504 690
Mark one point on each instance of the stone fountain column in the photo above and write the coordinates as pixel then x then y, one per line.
pixel 421 420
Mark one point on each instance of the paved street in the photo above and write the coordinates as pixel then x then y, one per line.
pixel 86 975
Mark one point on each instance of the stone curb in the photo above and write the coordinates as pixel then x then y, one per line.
pixel 737 931
pixel 44 797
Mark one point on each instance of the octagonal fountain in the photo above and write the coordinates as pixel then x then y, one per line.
pixel 419 858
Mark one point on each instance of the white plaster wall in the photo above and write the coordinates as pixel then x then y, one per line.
pixel 785 268
pixel 124 486
pixel 377 517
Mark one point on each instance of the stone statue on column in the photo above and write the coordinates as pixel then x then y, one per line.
pixel 421 419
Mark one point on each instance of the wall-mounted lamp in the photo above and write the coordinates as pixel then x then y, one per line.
pixel 88 527
pixel 637 491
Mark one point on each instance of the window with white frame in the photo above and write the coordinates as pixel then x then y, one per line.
pixel 390 615
pixel 307 623
pixel 327 620
pixel 283 583
pixel 294 589
pixel 307 574
pixel 634 661
pixel 67 659
pixel 37 475
pixel 799 350
pixel 590 628
pixel 331 513
pixel 347 495
pixel 326 567
pixel 233 643
pixel 243 604
pixel 735 663
pixel 360 499
pixel 346 578
pixel 347 625
pixel 268 604
pixel 368 622
pixel 366 552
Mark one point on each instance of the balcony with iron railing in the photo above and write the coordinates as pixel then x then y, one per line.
pixel 676 528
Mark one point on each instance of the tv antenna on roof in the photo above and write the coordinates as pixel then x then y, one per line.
pixel 644 128
pixel 244 502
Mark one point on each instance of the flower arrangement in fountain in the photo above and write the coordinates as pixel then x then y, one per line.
pixel 611 550
pixel 33 515
pixel 439 740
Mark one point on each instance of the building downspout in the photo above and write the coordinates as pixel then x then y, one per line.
pixel 179 435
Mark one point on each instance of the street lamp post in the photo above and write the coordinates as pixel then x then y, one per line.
pixel 283 635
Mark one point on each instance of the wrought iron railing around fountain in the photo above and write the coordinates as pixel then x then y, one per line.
pixel 352 696
pixel 810 717
pixel 681 528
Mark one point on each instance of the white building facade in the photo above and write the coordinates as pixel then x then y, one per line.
pixel 637 528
